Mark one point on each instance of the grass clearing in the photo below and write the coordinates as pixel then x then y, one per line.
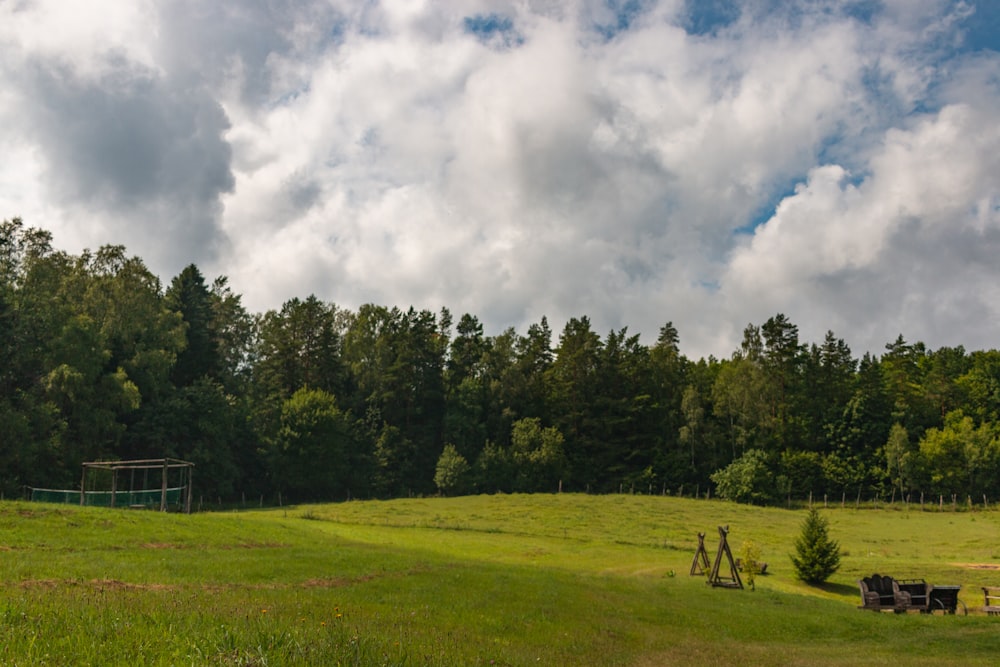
pixel 486 580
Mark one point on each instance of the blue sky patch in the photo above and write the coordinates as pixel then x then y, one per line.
pixel 767 210
pixel 707 17
pixel 492 28
pixel 624 12
pixel 982 28
pixel 863 10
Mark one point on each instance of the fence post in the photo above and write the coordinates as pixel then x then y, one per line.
pixel 163 485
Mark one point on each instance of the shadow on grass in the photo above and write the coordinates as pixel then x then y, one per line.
pixel 838 589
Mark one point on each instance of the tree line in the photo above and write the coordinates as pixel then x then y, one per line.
pixel 98 361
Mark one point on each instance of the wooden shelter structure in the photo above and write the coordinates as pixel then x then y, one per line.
pixel 179 494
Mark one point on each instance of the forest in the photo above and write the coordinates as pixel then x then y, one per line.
pixel 100 361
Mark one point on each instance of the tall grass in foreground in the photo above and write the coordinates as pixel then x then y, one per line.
pixel 487 580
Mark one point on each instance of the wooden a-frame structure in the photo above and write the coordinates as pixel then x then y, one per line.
pixel 700 563
pixel 716 579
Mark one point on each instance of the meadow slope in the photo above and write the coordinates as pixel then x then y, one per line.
pixel 485 580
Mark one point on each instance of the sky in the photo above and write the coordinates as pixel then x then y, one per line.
pixel 709 163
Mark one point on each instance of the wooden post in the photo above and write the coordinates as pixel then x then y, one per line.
pixel 163 487
pixel 190 489
pixel 83 485
pixel 114 484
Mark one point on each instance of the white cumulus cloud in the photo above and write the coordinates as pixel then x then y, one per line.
pixel 636 162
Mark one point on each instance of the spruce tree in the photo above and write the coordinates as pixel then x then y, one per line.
pixel 816 555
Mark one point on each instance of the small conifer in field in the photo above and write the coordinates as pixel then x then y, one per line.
pixel 816 555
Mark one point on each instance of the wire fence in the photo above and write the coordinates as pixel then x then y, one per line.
pixel 149 498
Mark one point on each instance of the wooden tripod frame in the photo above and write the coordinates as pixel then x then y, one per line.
pixel 714 578
pixel 700 563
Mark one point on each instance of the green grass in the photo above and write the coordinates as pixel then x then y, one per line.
pixel 486 580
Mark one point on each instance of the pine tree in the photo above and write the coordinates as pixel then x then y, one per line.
pixel 816 555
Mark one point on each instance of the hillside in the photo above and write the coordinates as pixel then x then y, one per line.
pixel 520 579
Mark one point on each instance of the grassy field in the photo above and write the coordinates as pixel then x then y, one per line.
pixel 486 580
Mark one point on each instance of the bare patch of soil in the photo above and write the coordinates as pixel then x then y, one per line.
pixel 254 545
pixel 979 566
pixel 163 545
pixel 335 582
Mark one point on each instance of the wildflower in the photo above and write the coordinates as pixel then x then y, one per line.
pixel 263 611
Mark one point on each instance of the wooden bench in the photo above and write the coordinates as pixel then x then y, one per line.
pixel 991 604
pixel 919 592
pixel 880 593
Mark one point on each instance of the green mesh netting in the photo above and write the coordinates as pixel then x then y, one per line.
pixel 148 498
